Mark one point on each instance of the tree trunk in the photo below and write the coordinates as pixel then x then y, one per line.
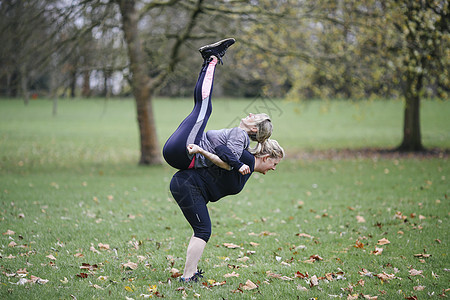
pixel 24 84
pixel 140 82
pixel 412 139
pixel 86 91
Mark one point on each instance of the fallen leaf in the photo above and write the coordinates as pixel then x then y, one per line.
pixel 377 251
pixel 414 272
pixel 9 232
pixel 313 281
pixel 78 255
pixel 65 281
pixel 301 275
pixel 316 257
pixel 370 297
pixel 231 245
pixel 97 287
pixel 419 288
pixel 38 280
pixel 130 265
pixel 422 255
pixel 12 244
pixel 254 244
pixel 304 235
pixel 128 289
pixel 82 275
pixel 243 259
pixel 232 274
pixel 51 257
pixel 352 297
pixel 386 277
pixel 383 241
pixel 103 246
pixel 249 285
pixel 360 219
pixel 175 273
pixel 359 244
pixel 22 271
pixel 92 248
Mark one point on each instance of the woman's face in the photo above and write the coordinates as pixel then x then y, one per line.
pixel 249 121
pixel 267 163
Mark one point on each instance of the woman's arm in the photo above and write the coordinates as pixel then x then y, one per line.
pixel 212 157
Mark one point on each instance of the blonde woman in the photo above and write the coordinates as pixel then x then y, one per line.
pixel 192 189
pixel 256 127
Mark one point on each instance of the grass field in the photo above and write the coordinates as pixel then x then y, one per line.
pixel 81 220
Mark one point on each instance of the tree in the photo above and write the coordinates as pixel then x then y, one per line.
pixel 425 29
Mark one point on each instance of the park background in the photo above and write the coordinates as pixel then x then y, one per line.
pixel 358 93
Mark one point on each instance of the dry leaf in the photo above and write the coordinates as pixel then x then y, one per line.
pixel 301 275
pixel 243 259
pixel 249 285
pixel 254 244
pixel 315 257
pixel 304 235
pixel 92 248
pixel 103 246
pixel 360 219
pixel 419 288
pixel 370 297
pixel 313 281
pixel 12 244
pixel 175 273
pixel 51 257
pixel 232 274
pixel 9 232
pixel 231 245
pixel 358 244
pixel 78 255
pixel 383 241
pixel 130 265
pixel 352 297
pixel 378 251
pixel 414 272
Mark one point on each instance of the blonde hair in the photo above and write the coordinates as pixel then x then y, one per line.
pixel 269 147
pixel 264 130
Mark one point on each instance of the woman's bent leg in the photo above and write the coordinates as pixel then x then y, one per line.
pixel 192 128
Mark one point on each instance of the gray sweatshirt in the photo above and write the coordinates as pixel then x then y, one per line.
pixel 236 139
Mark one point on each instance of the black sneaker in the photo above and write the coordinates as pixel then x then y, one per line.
pixel 217 49
pixel 195 278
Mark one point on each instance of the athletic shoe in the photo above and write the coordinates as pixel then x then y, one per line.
pixel 194 278
pixel 217 49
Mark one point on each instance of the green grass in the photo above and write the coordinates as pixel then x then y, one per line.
pixel 72 181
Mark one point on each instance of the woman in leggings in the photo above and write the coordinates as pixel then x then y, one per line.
pixel 192 189
pixel 224 142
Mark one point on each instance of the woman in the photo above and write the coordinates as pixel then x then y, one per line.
pixel 191 131
pixel 192 189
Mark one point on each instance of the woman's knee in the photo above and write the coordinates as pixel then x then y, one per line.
pixel 204 235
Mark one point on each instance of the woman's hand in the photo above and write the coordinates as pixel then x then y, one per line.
pixel 193 149
pixel 244 169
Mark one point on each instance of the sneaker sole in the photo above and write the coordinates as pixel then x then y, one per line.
pixel 217 44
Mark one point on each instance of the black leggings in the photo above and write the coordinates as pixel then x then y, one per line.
pixel 192 203
pixel 191 129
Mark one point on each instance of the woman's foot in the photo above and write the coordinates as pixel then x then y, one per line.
pixel 217 49
pixel 194 278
